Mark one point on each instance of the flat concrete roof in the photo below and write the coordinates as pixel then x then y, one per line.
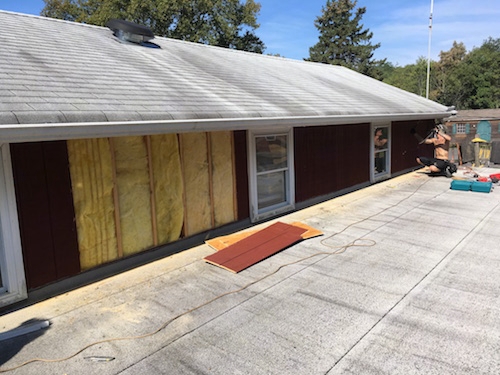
pixel 405 280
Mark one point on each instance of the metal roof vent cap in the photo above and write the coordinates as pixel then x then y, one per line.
pixel 130 32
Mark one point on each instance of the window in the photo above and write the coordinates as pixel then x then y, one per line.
pixel 12 279
pixel 271 174
pixel 460 129
pixel 380 151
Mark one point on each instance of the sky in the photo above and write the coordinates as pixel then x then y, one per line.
pixel 400 26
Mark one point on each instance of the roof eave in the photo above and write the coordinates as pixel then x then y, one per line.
pixel 13 133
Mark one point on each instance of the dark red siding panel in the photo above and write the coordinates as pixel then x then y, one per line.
pixel 64 235
pixel 330 158
pixel 315 154
pixel 241 171
pixel 256 247
pixel 34 212
pixel 405 147
pixel 46 214
pixel 353 157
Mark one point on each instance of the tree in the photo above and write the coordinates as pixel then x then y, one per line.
pixel 411 77
pixel 464 80
pixel 224 23
pixel 342 39
pixel 479 77
pixel 448 87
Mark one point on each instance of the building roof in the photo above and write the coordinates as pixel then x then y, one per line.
pixel 55 73
pixel 475 115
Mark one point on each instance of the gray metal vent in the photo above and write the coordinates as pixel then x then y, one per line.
pixel 130 32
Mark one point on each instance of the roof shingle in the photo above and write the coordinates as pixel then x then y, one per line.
pixel 61 71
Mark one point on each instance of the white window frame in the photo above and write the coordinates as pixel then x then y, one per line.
pixel 376 176
pixel 461 128
pixel 13 286
pixel 257 214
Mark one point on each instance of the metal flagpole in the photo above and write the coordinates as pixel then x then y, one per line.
pixel 429 52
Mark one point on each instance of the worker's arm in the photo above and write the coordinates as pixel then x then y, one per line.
pixel 444 135
pixel 419 138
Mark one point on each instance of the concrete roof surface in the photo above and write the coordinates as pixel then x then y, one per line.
pixel 53 71
pixel 405 280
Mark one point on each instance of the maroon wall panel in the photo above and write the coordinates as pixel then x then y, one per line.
pixel 64 234
pixel 405 147
pixel 330 158
pixel 46 214
pixel 241 170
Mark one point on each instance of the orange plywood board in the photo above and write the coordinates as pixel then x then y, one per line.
pixel 256 247
pixel 310 231
pixel 222 242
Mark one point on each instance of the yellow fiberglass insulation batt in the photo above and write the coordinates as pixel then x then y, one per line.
pixel 92 183
pixel 146 189
pixel 167 174
pixel 132 178
pixel 196 182
pixel 222 177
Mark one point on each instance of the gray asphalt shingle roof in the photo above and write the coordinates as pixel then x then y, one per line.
pixel 476 115
pixel 53 71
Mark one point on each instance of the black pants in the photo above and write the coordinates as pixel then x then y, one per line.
pixel 441 164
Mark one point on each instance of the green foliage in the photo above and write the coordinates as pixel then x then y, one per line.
pixel 343 41
pixel 464 80
pixel 479 76
pixel 411 78
pixel 224 23
pixel 448 88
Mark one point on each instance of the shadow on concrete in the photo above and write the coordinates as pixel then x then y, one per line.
pixel 11 342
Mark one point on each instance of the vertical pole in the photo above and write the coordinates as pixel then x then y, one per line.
pixel 429 51
pixel 477 162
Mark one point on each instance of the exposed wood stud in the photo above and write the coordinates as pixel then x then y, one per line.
pixel 181 155
pixel 116 200
pixel 210 178
pixel 154 224
pixel 233 163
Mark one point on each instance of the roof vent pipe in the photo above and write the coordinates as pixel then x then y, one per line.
pixel 131 32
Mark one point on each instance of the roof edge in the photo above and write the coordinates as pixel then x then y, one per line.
pixel 14 133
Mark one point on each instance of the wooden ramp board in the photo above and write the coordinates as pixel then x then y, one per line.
pixel 256 247
pixel 222 242
pixel 310 231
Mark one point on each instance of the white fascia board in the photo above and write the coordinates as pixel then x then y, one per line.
pixel 61 131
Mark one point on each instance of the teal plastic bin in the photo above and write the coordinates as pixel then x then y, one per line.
pixel 461 185
pixel 481 187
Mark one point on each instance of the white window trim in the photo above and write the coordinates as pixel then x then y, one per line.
pixel 374 177
pixel 11 258
pixel 255 213
pixel 461 128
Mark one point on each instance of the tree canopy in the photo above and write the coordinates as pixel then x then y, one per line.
pixel 343 40
pixel 478 76
pixel 466 80
pixel 224 23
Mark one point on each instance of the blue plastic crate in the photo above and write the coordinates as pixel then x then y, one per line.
pixel 481 187
pixel 461 185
